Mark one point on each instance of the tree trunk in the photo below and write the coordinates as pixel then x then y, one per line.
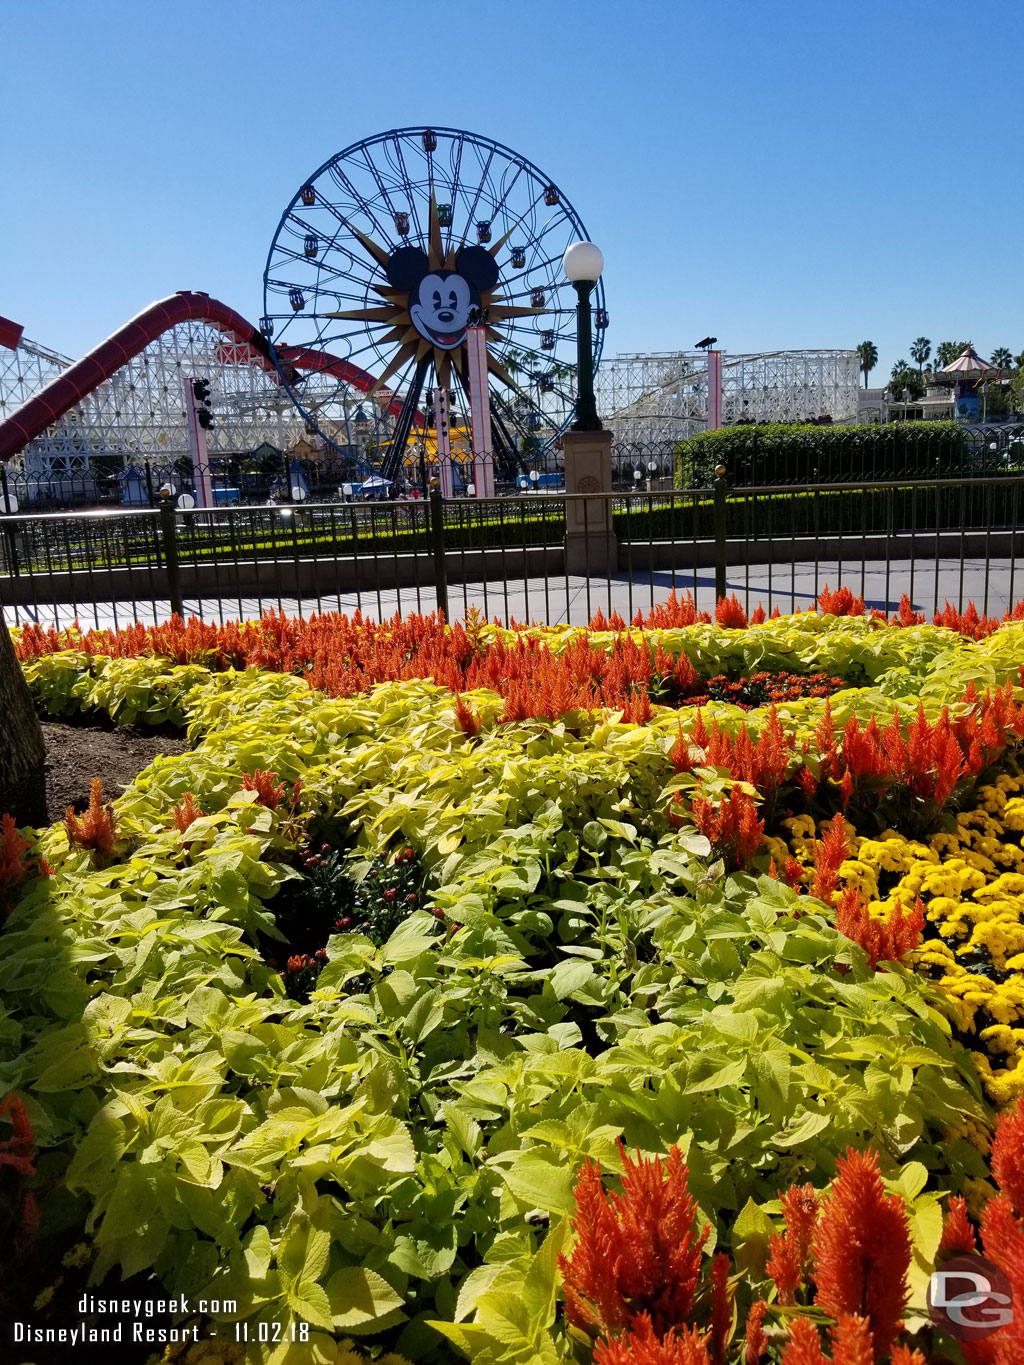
pixel 22 754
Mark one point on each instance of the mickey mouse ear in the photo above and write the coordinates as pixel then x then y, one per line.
pixel 406 267
pixel 478 267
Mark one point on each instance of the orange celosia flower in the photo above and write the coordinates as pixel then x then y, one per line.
pixel 729 613
pixel 14 866
pixel 884 941
pixel 790 1251
pixel 851 1341
pixel 783 1268
pixel 29 1219
pixel 637 1252
pixel 903 1355
pixel 642 1346
pixel 829 854
pixel 721 1309
pixel 1002 1234
pixel 803 1345
pixel 800 1211
pixel 732 828
pixel 807 781
pixel 17 1151
pixel 1008 1156
pixel 862 1249
pixel 756 1343
pixel 262 782
pixel 957 1233
pixel 97 828
pixel 680 752
pixel 840 603
pixel 907 616
pixel 187 813
pixel 467 720
pixel 793 873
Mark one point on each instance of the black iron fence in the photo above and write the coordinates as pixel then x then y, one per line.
pixel 113 482
pixel 753 456
pixel 511 556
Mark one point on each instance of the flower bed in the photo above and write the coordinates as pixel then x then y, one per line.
pixel 323 1016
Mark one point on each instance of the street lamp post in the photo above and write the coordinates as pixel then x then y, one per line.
pixel 583 263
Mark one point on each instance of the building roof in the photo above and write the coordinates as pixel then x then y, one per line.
pixel 967 362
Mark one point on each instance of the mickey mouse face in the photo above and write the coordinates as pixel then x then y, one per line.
pixel 442 308
pixel 440 301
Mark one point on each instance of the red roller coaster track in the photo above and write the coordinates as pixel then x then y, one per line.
pixel 61 394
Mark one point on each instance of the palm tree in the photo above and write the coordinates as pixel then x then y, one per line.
pixel 898 371
pixel 868 352
pixel 921 350
pixel 1018 361
pixel 1002 358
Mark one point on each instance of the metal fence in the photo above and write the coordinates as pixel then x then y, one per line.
pixel 850 455
pixel 811 454
pixel 932 539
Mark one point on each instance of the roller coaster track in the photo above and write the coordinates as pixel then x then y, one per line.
pixel 61 394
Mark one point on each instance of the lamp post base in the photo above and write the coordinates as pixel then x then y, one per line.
pixel 591 546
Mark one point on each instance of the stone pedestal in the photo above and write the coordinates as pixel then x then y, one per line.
pixel 590 544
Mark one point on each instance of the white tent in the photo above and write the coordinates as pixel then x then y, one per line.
pixel 374 485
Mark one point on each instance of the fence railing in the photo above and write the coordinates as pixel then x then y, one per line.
pixel 852 454
pixel 932 539
pixel 896 451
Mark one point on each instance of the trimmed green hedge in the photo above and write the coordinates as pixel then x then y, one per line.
pixel 851 512
pixel 794 453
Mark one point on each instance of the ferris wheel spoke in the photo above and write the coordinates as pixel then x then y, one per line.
pixel 357 269
pixel 363 206
pixel 534 268
pixel 454 191
pixel 381 186
pixel 335 211
pixel 538 237
pixel 471 215
pixel 421 235
pixel 518 172
pixel 285 287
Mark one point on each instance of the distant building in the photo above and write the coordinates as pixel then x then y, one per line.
pixel 959 390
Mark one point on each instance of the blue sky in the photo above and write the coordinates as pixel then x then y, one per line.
pixel 793 174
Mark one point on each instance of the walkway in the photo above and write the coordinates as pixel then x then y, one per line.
pixel 992 586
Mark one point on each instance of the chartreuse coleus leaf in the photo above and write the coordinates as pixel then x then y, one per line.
pixel 438 1094
pixel 513 1307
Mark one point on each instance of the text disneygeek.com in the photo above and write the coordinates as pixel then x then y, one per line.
pixel 131 1320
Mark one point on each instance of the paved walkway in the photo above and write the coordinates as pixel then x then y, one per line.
pixel 993 587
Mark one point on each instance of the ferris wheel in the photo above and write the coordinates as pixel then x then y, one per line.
pixel 383 258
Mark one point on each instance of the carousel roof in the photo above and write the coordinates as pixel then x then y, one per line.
pixel 967 362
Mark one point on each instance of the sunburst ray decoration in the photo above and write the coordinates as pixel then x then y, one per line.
pixel 412 345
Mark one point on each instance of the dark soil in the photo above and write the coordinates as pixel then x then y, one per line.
pixel 76 753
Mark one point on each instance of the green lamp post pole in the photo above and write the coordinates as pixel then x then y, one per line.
pixel 583 264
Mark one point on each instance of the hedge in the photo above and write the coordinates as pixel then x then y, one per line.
pixel 793 453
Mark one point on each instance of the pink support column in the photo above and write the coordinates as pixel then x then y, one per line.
pixel 480 412
pixel 714 390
